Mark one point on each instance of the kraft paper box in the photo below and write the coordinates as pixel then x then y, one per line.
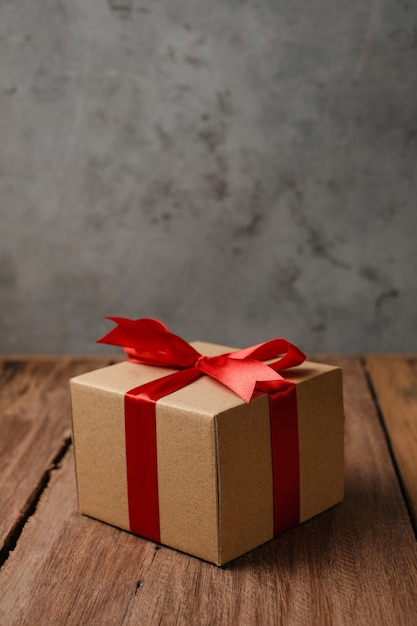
pixel 214 466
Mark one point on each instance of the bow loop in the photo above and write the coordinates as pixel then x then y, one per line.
pixel 149 342
pixel 288 353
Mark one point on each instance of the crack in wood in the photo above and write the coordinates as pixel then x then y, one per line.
pixel 128 608
pixel 31 504
pixel 403 488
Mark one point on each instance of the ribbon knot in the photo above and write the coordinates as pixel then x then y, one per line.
pixel 201 359
pixel 149 342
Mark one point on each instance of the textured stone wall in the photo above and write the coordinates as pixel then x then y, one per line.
pixel 240 170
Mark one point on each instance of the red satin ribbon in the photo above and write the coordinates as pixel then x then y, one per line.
pixel 148 341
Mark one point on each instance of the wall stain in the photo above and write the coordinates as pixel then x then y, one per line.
pixel 284 283
pixel 121 6
pixel 411 136
pixel 194 61
pixel 404 39
pixel 383 298
pixel 371 274
pixel 319 327
pixel 164 203
pixel 212 138
pixel 237 250
pixel 250 229
pixel 288 276
pixel 7 273
pixel 256 215
pixel 253 225
pixel 171 54
pixel 320 245
pixel 165 138
pixel 224 103
pixel 218 180
pixel 9 89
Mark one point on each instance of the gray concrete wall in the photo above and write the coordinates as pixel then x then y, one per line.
pixel 240 170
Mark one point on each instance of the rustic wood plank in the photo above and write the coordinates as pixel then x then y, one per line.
pixel 394 379
pixel 35 430
pixel 355 564
pixel 68 568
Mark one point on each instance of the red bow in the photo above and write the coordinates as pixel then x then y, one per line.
pixel 149 342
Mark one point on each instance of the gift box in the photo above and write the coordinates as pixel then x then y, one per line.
pixel 207 456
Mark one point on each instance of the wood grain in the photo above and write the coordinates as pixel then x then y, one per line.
pixel 394 379
pixel 355 564
pixel 34 431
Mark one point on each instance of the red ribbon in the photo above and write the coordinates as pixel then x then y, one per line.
pixel 149 342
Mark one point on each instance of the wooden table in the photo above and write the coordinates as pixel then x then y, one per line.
pixel 355 564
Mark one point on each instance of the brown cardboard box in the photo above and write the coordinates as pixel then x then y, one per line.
pixel 213 454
